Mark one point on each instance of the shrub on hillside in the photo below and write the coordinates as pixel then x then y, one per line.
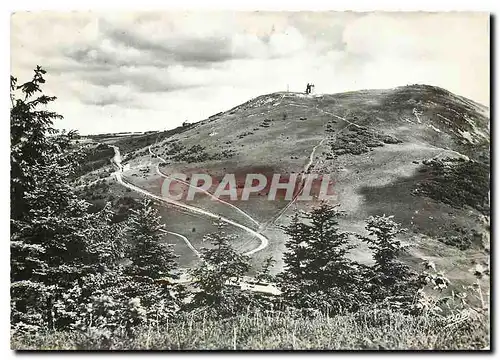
pixel 358 140
pixel 457 182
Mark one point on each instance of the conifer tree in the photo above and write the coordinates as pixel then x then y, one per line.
pixel 152 262
pixel 31 146
pixel 317 272
pixel 391 280
pixel 56 243
pixel 150 255
pixel 49 224
pixel 294 279
pixel 221 266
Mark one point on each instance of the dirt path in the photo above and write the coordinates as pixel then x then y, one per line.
pixel 305 171
pixel 309 164
pixel 204 191
pixel 264 242
pixel 186 240
pixel 311 158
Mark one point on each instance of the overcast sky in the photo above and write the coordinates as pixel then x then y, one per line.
pixel 151 71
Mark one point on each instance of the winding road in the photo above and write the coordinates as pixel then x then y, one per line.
pixel 263 239
pixel 204 191
pixel 186 240
pixel 264 242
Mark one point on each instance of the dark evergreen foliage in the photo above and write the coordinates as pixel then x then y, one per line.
pixel 76 269
pixel 219 274
pixel 317 272
pixel 50 226
pixel 389 280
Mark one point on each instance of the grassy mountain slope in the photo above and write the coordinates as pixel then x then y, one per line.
pixel 417 152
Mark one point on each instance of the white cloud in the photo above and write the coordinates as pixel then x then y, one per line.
pixel 450 50
pixel 129 72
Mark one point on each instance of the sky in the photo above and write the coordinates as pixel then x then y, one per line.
pixel 114 72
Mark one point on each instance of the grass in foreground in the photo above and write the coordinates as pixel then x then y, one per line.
pixel 256 331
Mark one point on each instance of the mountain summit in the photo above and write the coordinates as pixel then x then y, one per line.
pixel 417 152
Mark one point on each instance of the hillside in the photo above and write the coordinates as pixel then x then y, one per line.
pixel 418 152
